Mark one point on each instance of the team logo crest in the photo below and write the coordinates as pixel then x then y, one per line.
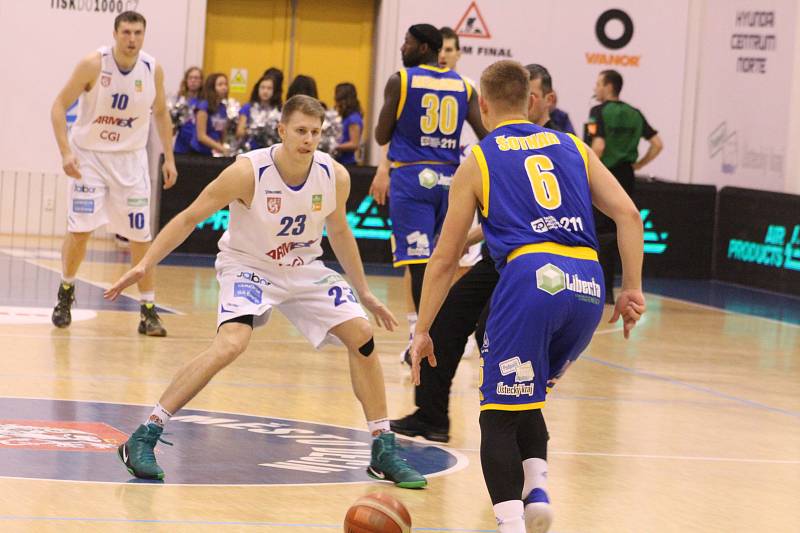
pixel 67 436
pixel 105 81
pixel 316 202
pixel 273 204
pixel 138 86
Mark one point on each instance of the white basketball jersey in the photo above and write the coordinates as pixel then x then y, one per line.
pixel 282 226
pixel 114 116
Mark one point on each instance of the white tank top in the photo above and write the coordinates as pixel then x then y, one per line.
pixel 114 116
pixel 282 227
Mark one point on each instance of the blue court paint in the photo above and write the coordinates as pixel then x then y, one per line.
pixel 77 441
pixel 732 298
pixel 25 284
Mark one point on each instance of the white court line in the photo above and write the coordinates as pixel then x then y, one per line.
pixel 665 457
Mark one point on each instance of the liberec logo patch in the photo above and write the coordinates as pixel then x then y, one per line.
pixel 77 441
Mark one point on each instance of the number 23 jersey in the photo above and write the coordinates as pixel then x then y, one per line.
pixel 283 225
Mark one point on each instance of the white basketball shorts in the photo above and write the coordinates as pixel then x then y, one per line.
pixel 313 297
pixel 114 189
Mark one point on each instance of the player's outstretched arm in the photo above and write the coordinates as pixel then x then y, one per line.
pixel 85 73
pixel 444 261
pixel 346 250
pixel 610 198
pixel 236 182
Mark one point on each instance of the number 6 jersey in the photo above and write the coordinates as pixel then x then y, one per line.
pixel 283 225
pixel 114 115
pixel 535 190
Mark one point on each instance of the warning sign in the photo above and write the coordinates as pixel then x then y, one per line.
pixel 472 24
pixel 238 80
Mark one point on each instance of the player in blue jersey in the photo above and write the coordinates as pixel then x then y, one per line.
pixel 535 189
pixel 424 109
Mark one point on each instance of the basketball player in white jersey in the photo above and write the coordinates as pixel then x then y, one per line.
pixel 117 87
pixel 280 199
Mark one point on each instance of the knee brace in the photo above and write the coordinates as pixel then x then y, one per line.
pixel 367 348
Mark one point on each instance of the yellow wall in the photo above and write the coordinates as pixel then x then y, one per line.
pixel 333 42
pixel 251 34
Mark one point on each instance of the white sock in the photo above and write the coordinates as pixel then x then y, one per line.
pixel 510 517
pixel 68 280
pixel 535 475
pixel 159 416
pixel 147 297
pixel 376 427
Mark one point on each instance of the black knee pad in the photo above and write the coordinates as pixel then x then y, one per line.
pixel 368 347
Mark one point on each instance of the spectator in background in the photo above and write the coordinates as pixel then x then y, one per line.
pixel 349 109
pixel 276 75
pixel 188 96
pixel 560 118
pixel 303 84
pixel 613 132
pixel 212 116
pixel 253 115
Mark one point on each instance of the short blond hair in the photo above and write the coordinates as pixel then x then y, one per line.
pixel 506 84
pixel 304 104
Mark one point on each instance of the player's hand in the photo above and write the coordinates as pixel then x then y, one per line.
pixel 170 173
pixel 129 278
pixel 70 165
pixel 421 347
pixel 630 306
pixel 383 316
pixel 380 186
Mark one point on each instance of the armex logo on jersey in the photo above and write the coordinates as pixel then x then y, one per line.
pixel 70 440
pixel 115 121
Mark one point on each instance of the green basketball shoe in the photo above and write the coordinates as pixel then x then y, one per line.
pixel 137 453
pixel 387 465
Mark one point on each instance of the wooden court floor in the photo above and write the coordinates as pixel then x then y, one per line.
pixel 691 425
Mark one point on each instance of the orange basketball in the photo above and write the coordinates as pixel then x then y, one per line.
pixel 377 513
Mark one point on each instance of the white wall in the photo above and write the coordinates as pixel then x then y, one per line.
pixel 41 44
pixel 561 36
pixel 742 118
pixel 686 85
pixel 793 154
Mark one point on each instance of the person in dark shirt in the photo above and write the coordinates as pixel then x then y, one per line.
pixel 466 308
pixel 613 132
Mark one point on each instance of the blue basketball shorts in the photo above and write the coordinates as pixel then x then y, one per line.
pixel 544 312
pixel 417 206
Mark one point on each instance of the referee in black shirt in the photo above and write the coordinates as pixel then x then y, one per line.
pixel 613 132
pixel 465 309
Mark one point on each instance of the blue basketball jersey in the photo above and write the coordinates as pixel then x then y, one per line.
pixel 432 109
pixel 535 191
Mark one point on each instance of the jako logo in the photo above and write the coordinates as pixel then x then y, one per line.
pixel 252 276
pixel 613 43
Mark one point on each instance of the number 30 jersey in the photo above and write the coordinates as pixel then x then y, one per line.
pixel 283 225
pixel 114 115
pixel 535 190
pixel 430 114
